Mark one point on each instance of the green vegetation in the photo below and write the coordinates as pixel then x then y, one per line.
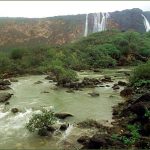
pixel 141 75
pixel 134 135
pixel 40 121
pixel 98 50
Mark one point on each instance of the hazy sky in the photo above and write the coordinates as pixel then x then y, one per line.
pixel 53 8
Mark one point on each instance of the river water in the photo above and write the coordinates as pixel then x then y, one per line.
pixel 30 98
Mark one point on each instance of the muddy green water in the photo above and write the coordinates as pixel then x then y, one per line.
pixel 29 98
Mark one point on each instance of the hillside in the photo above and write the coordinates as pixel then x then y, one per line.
pixel 64 29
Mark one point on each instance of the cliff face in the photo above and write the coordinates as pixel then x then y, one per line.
pixel 65 29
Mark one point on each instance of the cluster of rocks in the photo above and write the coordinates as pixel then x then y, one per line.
pixel 4 97
pixel 87 83
pixel 49 130
pixel 4 84
pixel 135 111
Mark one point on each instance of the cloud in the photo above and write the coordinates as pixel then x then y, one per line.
pixel 39 9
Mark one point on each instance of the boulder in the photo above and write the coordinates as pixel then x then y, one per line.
pixel 14 110
pixel 7 103
pixel 5 82
pixel 38 82
pixel 121 83
pixel 63 127
pixel 63 115
pixel 106 79
pixel 83 140
pixel 116 87
pixel 5 97
pixel 94 94
pixel 126 92
pixel 97 141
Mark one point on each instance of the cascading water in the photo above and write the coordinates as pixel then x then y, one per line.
pixel 86 26
pixel 100 23
pixel 146 23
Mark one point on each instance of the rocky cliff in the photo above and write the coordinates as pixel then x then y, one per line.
pixel 64 29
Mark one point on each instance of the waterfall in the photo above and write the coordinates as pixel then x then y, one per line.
pixel 146 23
pixel 100 22
pixel 86 26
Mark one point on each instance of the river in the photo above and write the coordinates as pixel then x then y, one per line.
pixel 30 98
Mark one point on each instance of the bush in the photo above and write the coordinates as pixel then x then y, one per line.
pixel 17 54
pixel 63 75
pixel 40 121
pixel 141 74
pixel 134 131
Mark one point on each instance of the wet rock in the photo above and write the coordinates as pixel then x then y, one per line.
pixel 5 97
pixel 126 92
pixel 49 77
pixel 106 79
pixel 50 128
pixel 107 85
pixel 116 87
pixel 5 82
pixel 7 103
pixel 70 91
pixel 38 82
pixel 126 74
pixel 45 92
pixel 97 141
pixel 64 127
pixel 63 115
pixel 94 94
pixel 4 87
pixel 43 132
pixel 97 70
pixel 121 83
pixel 13 80
pixel 83 140
pixel 14 110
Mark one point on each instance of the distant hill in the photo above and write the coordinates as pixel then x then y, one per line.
pixel 64 29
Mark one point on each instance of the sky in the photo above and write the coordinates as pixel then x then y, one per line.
pixel 40 9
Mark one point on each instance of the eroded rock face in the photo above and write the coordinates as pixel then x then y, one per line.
pixel 5 97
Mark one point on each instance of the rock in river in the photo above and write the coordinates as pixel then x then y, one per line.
pixel 63 115
pixel 63 127
pixel 94 94
pixel 5 96
pixel 14 110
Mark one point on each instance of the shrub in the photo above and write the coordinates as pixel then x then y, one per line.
pixel 17 54
pixel 63 75
pixel 134 130
pixel 40 121
pixel 141 75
